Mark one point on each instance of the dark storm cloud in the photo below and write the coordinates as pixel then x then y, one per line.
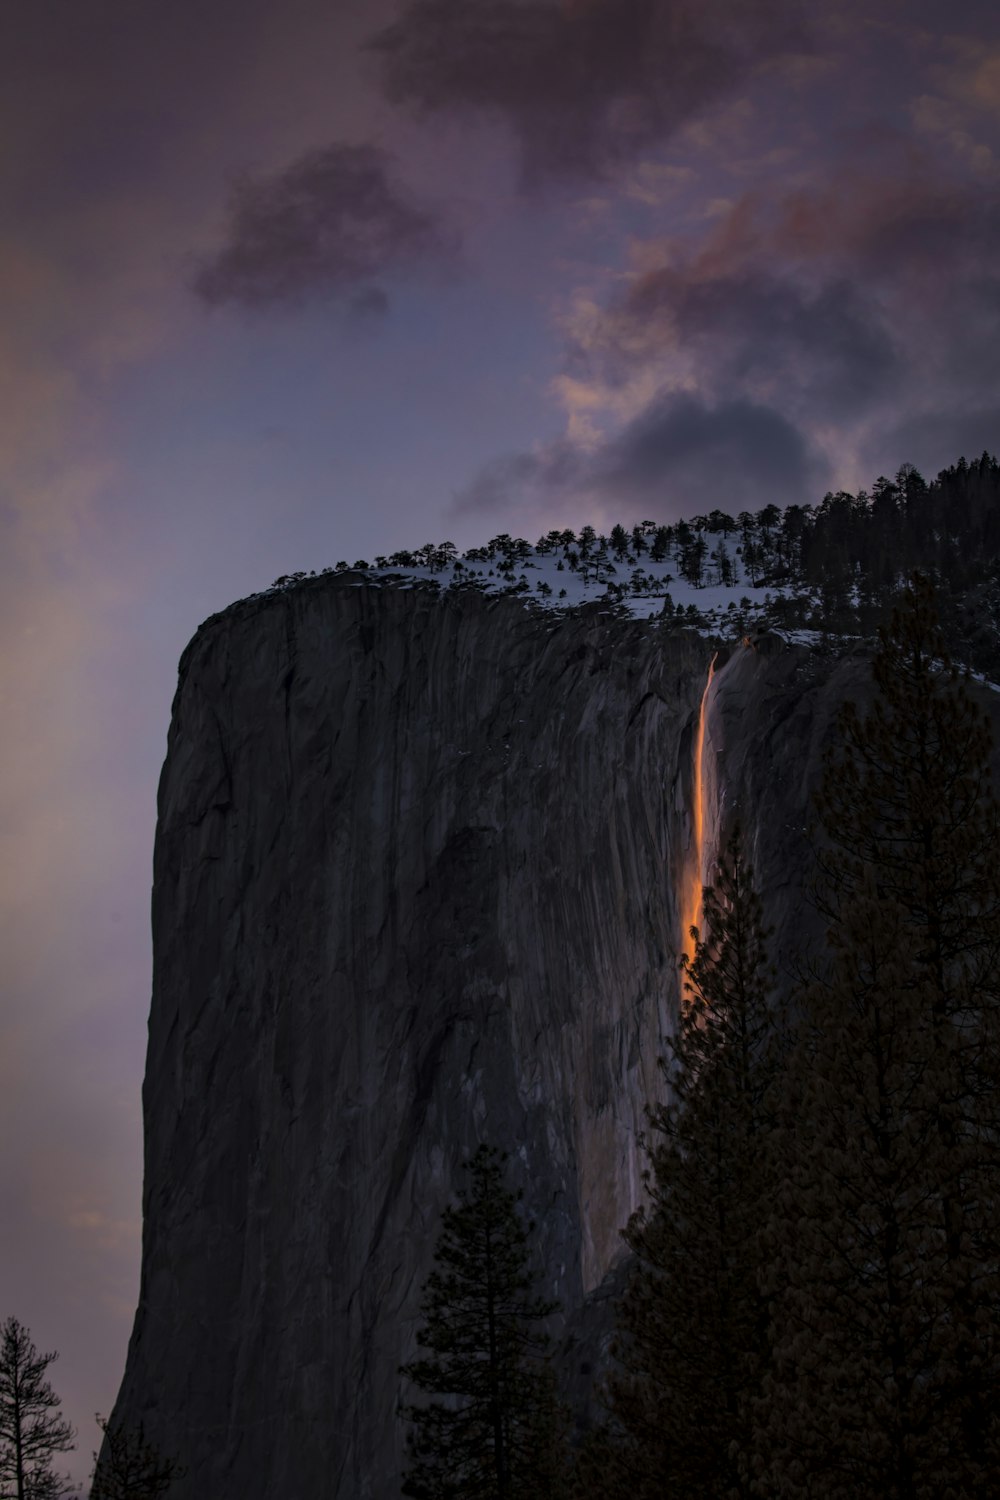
pixel 833 342
pixel 584 84
pixel 327 225
pixel 791 334
pixel 754 329
pixel 686 453
pixel 863 292
pixel 922 252
pixel 679 455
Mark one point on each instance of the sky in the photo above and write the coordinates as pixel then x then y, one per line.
pixel 281 285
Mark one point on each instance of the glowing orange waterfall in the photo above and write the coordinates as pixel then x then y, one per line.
pixel 694 879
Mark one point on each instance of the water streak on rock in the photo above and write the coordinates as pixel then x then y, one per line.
pixel 691 906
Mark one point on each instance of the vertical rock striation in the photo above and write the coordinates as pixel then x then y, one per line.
pixel 413 888
pixel 772 714
pixel 416 885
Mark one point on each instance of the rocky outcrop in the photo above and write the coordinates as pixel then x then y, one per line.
pixel 772 714
pixel 416 886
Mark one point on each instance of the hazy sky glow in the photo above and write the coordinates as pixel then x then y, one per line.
pixel 288 284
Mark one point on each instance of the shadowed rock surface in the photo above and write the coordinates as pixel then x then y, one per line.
pixel 416 886
pixel 772 714
pixel 413 888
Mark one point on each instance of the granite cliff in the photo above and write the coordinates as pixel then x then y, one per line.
pixel 418 874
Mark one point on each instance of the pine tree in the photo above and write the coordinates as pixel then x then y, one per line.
pixel 883 1246
pixel 691 1320
pixel 492 1427
pixel 31 1433
pixel 129 1467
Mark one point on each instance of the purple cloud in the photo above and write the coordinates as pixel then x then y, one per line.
pixel 326 226
pixel 677 456
pixel 754 329
pixel 587 84
pixel 681 454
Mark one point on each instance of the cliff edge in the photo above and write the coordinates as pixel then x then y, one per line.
pixel 414 887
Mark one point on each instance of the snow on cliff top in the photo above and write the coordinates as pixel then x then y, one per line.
pixel 699 579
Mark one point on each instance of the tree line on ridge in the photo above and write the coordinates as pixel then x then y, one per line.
pixel 835 566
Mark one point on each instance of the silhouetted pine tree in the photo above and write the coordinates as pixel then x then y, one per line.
pixel 493 1427
pixel 883 1248
pixel 31 1431
pixel 691 1321
pixel 129 1467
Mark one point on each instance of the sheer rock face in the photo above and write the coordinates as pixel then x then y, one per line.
pixel 413 888
pixel 772 713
